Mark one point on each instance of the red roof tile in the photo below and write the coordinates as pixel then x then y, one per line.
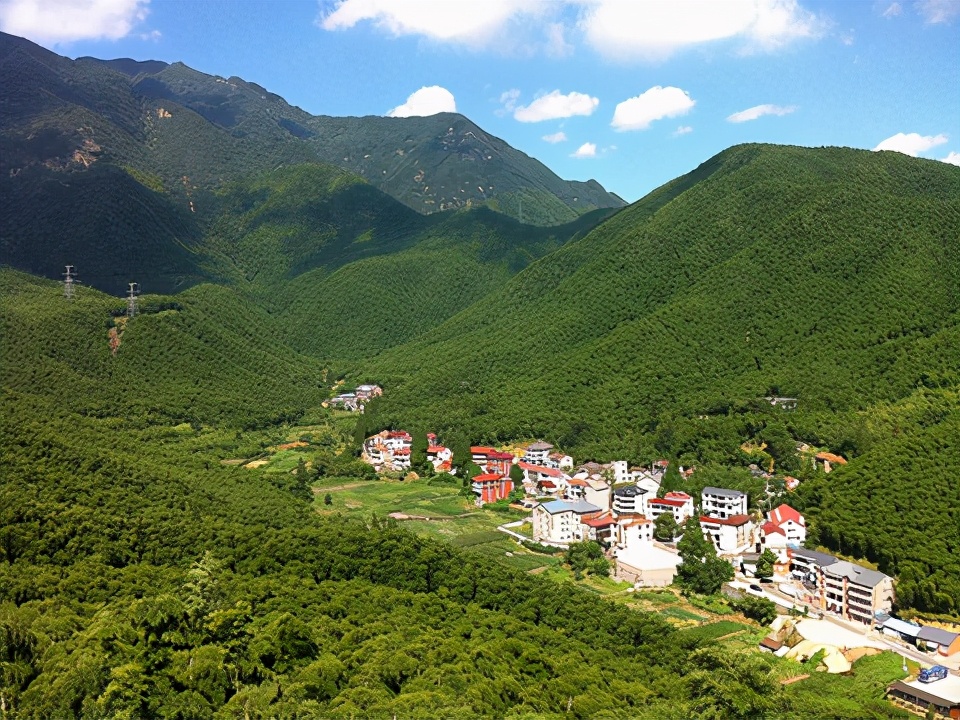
pixel 666 501
pixel 783 513
pixel 770 528
pixel 489 477
pixel 830 457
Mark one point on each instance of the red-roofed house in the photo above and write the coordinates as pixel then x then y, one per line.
pixel 491 487
pixel 600 526
pixel 441 457
pixel 774 539
pixel 678 503
pixel 791 522
pixel 729 535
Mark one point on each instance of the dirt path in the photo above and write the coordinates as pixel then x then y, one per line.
pixel 790 681
pixel 348 486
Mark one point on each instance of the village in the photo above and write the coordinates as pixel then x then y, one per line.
pixel 622 508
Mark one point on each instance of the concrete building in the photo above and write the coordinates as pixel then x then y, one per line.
pixel 729 535
pixel 840 587
pixel 791 522
pixel 558 522
pixel 629 500
pixel 723 503
pixel 678 503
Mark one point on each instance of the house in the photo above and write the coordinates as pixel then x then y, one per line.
pixel 630 500
pixel 785 403
pixel 841 587
pixel 791 483
pixel 368 392
pixel 901 630
pixel 828 461
pixel 773 538
pixel 564 462
pixel 729 535
pixel 943 641
pixel 678 503
pixel 791 522
pixel 722 503
pixel 943 695
pixel 388 450
pixel 491 487
pixel 491 460
pixel 634 531
pixel 558 522
pixel 601 527
pixel 538 454
pixel 539 478
pixel 441 457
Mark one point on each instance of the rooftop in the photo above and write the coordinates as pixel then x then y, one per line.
pixel 540 446
pixel 936 635
pixel 820 558
pixel 784 513
pixel 723 492
pixel 630 491
pixel 559 506
pixel 855 573
pixel 947 690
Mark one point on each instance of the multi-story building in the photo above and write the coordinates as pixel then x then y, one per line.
pixel 678 503
pixel 558 522
pixel 630 500
pixel 539 454
pixel 729 535
pixel 723 503
pixel 791 522
pixel 491 487
pixel 841 587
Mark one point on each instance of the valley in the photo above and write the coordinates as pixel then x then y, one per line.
pixel 210 510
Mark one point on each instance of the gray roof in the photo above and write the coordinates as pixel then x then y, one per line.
pixel 540 446
pixel 631 491
pixel 723 492
pixel 936 635
pixel 820 558
pixel 904 628
pixel 855 573
pixel 579 507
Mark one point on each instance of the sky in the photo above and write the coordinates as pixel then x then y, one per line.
pixel 631 93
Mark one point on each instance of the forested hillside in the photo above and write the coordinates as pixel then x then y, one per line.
pixel 120 167
pixel 143 573
pixel 828 275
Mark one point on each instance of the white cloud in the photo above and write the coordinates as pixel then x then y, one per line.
pixel 153 35
pixel 64 21
pixel 938 11
pixel 654 29
pixel 556 105
pixel 759 111
pixel 587 150
pixel 426 101
pixel 893 10
pixel 682 130
pixel 557 45
pixel 470 22
pixel 557 137
pixel 656 103
pixel 953 159
pixel 911 143
pixel 508 102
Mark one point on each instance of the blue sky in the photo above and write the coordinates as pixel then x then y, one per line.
pixel 629 92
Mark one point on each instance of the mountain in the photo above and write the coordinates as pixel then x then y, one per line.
pixel 183 134
pixel 824 274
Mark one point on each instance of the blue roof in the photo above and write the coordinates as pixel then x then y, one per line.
pixel 904 628
pixel 558 506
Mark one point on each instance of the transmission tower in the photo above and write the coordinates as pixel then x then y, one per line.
pixel 68 279
pixel 132 299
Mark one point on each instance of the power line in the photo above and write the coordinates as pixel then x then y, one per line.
pixel 68 280
pixel 132 299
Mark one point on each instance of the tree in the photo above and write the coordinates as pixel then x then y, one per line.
pixel 665 527
pixel 701 570
pixel 672 480
pixel 587 556
pixel 328 499
pixel 765 564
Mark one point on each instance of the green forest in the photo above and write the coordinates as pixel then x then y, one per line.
pixel 147 570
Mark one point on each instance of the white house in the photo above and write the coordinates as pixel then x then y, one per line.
pixel 678 503
pixel 538 454
pixel 558 522
pixel 791 522
pixel 629 500
pixel 723 503
pixel 729 535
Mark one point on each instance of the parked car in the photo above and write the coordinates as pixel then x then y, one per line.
pixel 756 589
pixel 932 674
